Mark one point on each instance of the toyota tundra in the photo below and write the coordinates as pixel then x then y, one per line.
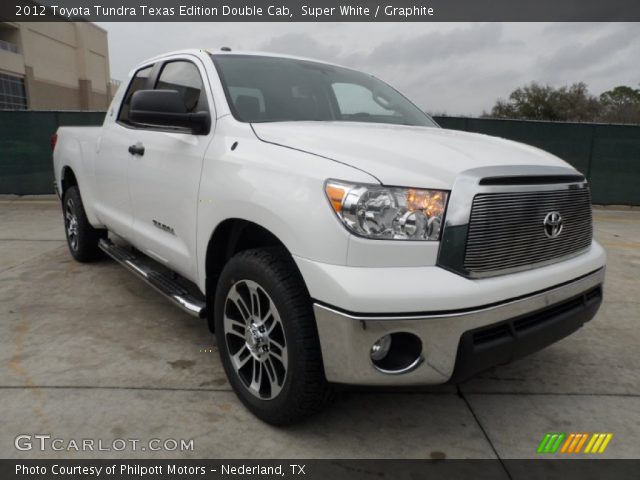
pixel 327 229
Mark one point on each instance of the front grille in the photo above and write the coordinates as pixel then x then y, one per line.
pixel 506 230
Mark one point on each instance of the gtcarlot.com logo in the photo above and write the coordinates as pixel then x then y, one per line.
pixel 46 442
pixel 555 442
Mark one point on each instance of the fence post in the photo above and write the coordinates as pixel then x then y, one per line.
pixel 590 158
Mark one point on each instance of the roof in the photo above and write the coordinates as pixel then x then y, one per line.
pixel 217 51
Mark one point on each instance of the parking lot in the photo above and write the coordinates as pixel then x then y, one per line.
pixel 89 351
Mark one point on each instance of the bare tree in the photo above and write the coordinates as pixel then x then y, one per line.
pixel 537 102
pixel 621 105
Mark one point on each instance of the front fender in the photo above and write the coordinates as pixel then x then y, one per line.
pixel 278 188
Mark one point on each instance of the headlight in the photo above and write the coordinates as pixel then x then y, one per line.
pixel 388 213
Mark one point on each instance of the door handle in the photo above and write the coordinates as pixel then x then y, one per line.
pixel 137 149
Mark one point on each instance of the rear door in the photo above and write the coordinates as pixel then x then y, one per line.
pixel 112 198
pixel 165 180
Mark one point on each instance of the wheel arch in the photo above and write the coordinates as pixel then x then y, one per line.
pixel 67 179
pixel 231 236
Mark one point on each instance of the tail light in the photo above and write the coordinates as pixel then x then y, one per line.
pixel 54 140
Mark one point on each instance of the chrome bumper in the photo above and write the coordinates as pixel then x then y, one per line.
pixel 346 338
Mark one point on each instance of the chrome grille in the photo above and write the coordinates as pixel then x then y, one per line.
pixel 506 230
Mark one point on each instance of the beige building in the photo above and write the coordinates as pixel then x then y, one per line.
pixel 53 66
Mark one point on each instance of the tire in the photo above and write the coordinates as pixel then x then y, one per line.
pixel 276 314
pixel 82 238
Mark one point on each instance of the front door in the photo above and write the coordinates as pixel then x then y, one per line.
pixel 164 176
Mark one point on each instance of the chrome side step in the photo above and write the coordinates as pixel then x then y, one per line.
pixel 160 281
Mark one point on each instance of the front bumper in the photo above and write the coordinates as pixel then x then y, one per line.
pixel 456 344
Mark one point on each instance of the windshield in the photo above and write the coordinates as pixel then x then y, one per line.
pixel 272 89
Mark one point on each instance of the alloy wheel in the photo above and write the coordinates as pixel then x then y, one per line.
pixel 71 223
pixel 255 339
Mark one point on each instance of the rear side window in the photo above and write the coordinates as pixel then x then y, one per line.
pixel 139 82
pixel 185 78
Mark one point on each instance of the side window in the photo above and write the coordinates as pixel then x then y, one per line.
pixel 139 82
pixel 185 78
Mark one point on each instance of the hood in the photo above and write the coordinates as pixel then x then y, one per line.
pixel 403 155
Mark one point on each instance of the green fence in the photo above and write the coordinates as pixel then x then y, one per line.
pixel 25 147
pixel 608 154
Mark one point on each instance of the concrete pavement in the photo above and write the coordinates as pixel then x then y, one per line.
pixel 89 351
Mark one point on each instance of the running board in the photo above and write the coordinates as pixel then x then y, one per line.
pixel 160 281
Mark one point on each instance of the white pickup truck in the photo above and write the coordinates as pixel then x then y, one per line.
pixel 328 230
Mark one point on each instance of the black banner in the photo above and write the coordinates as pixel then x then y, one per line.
pixel 320 10
pixel 320 469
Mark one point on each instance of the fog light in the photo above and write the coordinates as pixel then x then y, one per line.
pixel 397 353
pixel 381 348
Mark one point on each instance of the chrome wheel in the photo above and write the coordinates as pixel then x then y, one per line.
pixel 71 223
pixel 255 339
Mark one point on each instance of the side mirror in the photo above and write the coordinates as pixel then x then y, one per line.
pixel 165 108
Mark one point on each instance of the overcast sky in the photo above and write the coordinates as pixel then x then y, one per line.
pixel 457 68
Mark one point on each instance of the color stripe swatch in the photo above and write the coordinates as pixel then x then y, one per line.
pixel 572 443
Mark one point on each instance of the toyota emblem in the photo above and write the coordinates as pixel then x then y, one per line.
pixel 552 224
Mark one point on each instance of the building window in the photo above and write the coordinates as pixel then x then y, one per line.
pixel 12 93
pixel 9 47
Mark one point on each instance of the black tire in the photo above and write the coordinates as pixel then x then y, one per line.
pixel 303 390
pixel 82 238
